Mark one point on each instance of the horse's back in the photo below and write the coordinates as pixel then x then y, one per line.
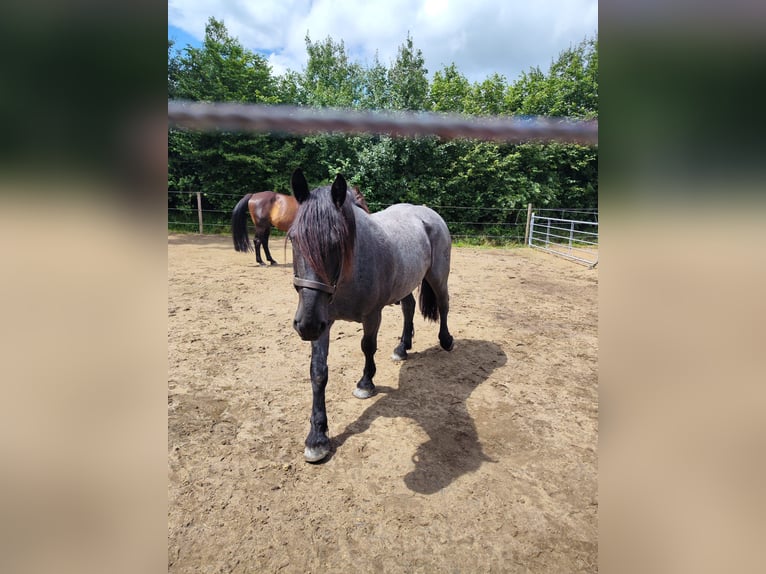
pixel 417 242
pixel 262 198
pixel 410 225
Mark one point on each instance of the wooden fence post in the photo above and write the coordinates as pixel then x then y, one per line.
pixel 529 219
pixel 199 210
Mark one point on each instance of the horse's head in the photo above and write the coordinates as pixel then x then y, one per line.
pixel 359 198
pixel 323 243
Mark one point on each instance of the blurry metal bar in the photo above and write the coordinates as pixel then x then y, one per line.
pixel 305 120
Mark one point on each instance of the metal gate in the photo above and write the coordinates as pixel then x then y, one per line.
pixel 575 240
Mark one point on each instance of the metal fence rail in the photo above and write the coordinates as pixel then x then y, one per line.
pixel 568 238
pixel 304 120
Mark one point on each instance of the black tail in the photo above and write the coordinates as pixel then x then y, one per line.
pixel 239 225
pixel 427 300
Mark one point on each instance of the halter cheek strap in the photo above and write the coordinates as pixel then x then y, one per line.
pixel 309 284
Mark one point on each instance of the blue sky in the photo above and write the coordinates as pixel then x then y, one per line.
pixel 481 37
pixel 182 38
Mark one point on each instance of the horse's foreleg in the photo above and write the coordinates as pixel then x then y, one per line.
pixel 365 387
pixel 405 344
pixel 317 442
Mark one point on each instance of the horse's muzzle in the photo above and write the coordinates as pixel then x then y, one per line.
pixel 309 331
pixel 311 320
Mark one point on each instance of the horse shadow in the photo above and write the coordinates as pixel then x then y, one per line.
pixel 433 389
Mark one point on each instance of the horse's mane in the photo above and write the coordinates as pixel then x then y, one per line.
pixel 320 229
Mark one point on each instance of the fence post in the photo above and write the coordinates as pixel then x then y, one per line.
pixel 529 218
pixel 199 210
pixel 571 233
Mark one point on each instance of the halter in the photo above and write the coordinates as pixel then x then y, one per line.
pixel 316 285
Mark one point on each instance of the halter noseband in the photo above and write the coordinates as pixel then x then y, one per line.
pixel 316 285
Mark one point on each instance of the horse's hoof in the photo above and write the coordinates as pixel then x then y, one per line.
pixel 363 393
pixel 449 344
pixel 396 357
pixel 316 454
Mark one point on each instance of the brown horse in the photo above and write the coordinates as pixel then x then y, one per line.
pixel 268 209
pixel 359 198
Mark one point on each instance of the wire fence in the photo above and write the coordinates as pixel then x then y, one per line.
pixel 494 225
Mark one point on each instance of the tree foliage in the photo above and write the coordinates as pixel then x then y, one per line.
pixel 449 90
pixel 330 77
pixel 223 71
pixel 471 182
pixel 408 78
pixel 570 88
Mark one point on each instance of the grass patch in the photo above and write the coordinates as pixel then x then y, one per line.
pixel 484 242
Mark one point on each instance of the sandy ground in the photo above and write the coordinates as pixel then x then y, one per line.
pixel 479 460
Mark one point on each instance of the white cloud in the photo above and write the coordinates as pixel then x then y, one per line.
pixel 481 36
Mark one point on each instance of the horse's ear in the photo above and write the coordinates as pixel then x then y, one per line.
pixel 338 191
pixel 299 185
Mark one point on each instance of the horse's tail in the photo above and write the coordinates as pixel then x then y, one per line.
pixel 427 300
pixel 239 225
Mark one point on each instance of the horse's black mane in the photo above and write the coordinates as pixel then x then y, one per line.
pixel 321 231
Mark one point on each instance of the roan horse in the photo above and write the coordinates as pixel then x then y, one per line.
pixel 268 209
pixel 348 265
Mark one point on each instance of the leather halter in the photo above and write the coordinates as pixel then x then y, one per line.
pixel 316 285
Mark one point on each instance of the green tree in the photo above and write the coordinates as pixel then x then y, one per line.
pixel 376 92
pixel 528 95
pixel 174 68
pixel 223 71
pixel 330 78
pixel 449 90
pixel 487 97
pixel 408 78
pixel 288 88
pixel 590 79
pixel 570 88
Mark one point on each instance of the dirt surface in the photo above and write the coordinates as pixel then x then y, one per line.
pixel 479 460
